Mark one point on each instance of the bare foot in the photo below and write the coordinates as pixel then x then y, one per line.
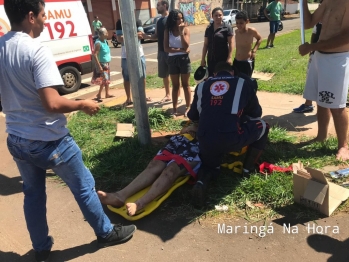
pixel 343 154
pixel 112 199
pixel 109 96
pixel 133 208
pixel 186 111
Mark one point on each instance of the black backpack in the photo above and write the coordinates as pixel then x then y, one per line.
pixel 318 32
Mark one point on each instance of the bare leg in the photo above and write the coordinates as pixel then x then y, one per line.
pixel 175 88
pixel 160 186
pixel 308 102
pixel 107 95
pixel 99 94
pixel 179 95
pixel 127 86
pixel 323 120
pixel 166 81
pixel 143 180
pixel 269 38
pixel 187 92
pixel 272 37
pixel 340 119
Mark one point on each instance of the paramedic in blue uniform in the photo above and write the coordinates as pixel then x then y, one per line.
pixel 227 112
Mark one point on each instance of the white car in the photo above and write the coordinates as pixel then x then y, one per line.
pixel 229 16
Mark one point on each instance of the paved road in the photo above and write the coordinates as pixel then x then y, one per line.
pixel 196 39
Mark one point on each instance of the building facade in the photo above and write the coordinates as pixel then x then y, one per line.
pixel 195 12
pixel 108 11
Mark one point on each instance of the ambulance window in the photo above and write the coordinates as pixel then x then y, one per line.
pixel 149 21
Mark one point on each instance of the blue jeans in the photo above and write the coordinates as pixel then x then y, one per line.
pixel 273 26
pixel 64 157
pixel 125 73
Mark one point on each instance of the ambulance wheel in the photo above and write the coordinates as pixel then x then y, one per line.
pixel 71 79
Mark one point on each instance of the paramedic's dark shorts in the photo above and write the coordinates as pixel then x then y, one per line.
pixel 179 64
pixel 163 64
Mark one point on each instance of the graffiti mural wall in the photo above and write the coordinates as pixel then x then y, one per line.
pixel 197 12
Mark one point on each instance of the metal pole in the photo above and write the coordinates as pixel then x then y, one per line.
pixel 301 11
pixel 131 42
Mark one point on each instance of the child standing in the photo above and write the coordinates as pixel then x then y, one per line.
pixel 245 54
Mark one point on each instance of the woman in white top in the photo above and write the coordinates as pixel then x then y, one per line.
pixel 176 44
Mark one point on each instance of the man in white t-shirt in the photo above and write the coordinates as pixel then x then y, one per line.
pixel 37 135
pixel 125 72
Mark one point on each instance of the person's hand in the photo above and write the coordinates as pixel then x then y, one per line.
pixel 203 62
pixel 187 51
pixel 304 49
pixel 90 107
pixel 140 35
pixel 188 129
pixel 253 55
pixel 181 28
pixel 229 60
pixel 145 36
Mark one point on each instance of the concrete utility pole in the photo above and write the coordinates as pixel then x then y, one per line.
pixel 131 42
pixel 172 5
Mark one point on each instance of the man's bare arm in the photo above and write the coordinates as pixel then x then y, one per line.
pixel 339 40
pixel 312 19
pixel 231 45
pixel 153 36
pixel 54 103
pixel 258 37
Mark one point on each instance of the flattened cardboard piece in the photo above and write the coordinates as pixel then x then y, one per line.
pixel 314 191
pixel 124 130
pixel 262 76
pixel 338 192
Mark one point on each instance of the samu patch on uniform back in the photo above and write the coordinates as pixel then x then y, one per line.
pixel 219 88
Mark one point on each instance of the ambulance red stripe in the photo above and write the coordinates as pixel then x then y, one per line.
pixel 78 60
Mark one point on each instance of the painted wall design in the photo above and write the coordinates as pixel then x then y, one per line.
pixel 195 13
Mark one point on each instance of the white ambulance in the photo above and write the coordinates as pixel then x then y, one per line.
pixel 68 34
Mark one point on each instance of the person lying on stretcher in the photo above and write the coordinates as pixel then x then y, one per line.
pixel 179 157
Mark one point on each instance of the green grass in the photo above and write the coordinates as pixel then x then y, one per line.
pixel 116 162
pixel 283 60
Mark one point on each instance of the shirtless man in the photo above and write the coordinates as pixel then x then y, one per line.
pixel 180 156
pixel 245 54
pixel 328 75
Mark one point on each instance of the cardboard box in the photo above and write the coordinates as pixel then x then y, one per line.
pixel 311 188
pixel 124 130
